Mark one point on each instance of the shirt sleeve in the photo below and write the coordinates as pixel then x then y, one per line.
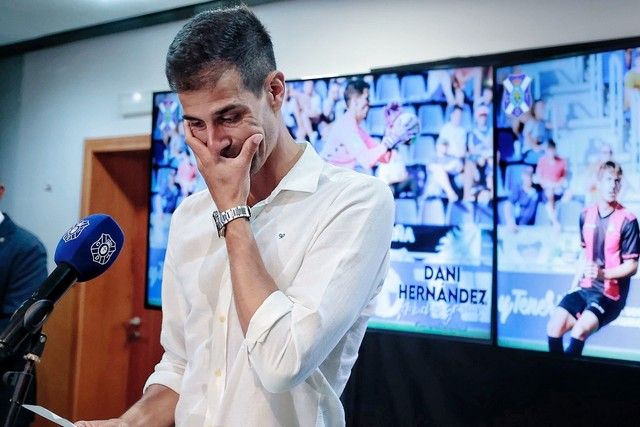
pixel 630 242
pixel 366 150
pixel 170 369
pixel 294 331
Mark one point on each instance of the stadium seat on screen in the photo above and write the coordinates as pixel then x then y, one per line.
pixel 542 216
pixel 433 211
pixel 372 88
pixel 468 89
pixel 467 119
pixel 154 180
pixel 459 212
pixel 163 174
pixel 607 57
pixel 431 119
pixel 340 108
pixel 435 81
pixel 569 213
pixel 483 213
pixel 408 108
pixel 412 88
pixel 513 176
pixel 406 211
pixel 506 138
pixel 502 218
pixel 501 190
pixel 417 180
pixel 548 78
pixel 321 88
pixel 375 121
pixel 423 149
pixel 387 89
pixel 437 96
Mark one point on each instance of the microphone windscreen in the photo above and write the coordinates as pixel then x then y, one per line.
pixel 90 246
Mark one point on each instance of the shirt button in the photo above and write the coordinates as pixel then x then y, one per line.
pixel 218 373
pixel 222 319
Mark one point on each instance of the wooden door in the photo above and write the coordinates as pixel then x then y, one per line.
pixel 97 366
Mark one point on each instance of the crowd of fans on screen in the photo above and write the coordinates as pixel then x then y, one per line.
pixel 450 159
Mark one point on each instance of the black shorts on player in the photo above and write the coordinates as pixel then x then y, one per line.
pixel 605 309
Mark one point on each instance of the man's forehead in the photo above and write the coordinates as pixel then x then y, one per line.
pixel 227 80
pixel 227 90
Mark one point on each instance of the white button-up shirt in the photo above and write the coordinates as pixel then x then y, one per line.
pixel 324 235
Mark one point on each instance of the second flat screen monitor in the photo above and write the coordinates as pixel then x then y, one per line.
pixel 441 175
pixel 560 120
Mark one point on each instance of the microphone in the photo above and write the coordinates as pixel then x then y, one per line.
pixel 84 252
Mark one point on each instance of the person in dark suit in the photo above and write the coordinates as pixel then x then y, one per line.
pixel 23 268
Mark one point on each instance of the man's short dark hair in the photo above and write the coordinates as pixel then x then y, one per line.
pixel 214 41
pixel 355 87
pixel 551 144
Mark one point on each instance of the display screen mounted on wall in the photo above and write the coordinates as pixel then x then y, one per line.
pixel 440 171
pixel 558 122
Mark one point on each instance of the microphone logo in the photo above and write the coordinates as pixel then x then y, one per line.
pixel 102 249
pixel 75 231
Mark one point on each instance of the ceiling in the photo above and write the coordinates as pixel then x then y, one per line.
pixel 25 20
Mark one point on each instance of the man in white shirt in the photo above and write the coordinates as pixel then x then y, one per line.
pixel 263 317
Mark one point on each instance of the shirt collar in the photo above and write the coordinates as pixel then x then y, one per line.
pixel 1 217
pixel 304 174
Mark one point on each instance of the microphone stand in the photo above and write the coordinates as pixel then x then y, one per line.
pixel 22 380
pixel 24 333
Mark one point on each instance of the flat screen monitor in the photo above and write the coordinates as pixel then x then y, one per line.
pixel 440 277
pixel 440 173
pixel 559 122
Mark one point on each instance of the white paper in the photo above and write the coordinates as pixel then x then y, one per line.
pixel 49 415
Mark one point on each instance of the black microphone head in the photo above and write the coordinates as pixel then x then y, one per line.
pixel 90 246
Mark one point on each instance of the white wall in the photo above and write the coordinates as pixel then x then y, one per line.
pixel 70 92
pixel 10 83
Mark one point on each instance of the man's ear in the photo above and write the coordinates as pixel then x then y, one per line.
pixel 275 86
pixel 1 191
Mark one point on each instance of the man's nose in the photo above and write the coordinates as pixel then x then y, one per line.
pixel 217 138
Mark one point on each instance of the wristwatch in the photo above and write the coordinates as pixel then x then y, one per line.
pixel 221 219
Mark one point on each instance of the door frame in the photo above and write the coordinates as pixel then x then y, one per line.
pixel 60 384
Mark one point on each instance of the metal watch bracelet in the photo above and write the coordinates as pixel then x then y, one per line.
pixel 221 219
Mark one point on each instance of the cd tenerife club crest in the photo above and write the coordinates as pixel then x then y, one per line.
pixel 517 98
